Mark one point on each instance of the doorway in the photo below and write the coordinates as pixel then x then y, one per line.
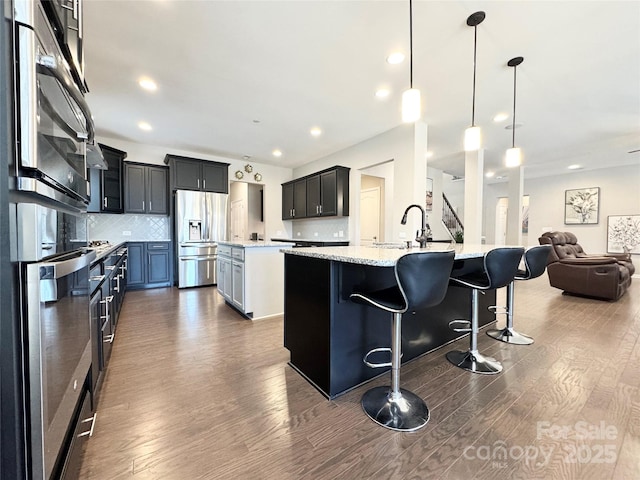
pixel 246 215
pixel 502 207
pixel 371 210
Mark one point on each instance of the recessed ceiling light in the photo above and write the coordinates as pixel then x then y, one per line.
pixel 382 93
pixel 256 121
pixel 489 174
pixel 276 153
pixel 148 84
pixel 246 157
pixel 429 154
pixel 144 126
pixel 575 166
pixel 315 131
pixel 395 58
pixel 500 117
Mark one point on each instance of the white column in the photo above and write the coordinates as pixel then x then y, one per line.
pixel 473 181
pixel 514 212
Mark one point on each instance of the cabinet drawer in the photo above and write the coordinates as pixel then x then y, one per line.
pixel 224 250
pixel 237 254
pixel 158 246
pixel 81 433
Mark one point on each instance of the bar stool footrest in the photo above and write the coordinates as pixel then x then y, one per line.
pixel 474 362
pixel 465 326
pixel 509 335
pixel 498 309
pixel 378 350
pixel 403 411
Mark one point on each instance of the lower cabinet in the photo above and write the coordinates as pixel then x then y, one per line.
pixel 244 274
pixel 225 276
pixel 80 434
pixel 149 265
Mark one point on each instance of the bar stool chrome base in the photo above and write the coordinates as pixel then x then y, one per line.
pixel 402 411
pixel 474 361
pixel 509 335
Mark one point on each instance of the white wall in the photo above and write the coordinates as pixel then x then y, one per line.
pixel 619 195
pixel 272 177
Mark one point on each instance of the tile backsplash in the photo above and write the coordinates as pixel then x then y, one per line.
pixel 128 227
pixel 321 228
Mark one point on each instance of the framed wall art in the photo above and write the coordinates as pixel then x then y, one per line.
pixel 581 206
pixel 623 234
pixel 429 202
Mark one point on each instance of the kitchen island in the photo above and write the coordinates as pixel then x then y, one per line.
pixel 250 277
pixel 328 335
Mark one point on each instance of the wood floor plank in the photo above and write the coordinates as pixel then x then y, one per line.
pixel 193 390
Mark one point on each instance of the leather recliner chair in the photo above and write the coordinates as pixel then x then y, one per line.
pixel 571 269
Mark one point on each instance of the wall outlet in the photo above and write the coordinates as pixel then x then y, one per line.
pixel 341 233
pixel 126 233
pixel 335 234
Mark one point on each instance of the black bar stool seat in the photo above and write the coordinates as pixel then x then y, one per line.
pixel 500 266
pixel 535 263
pixel 422 280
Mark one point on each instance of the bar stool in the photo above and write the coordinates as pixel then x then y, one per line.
pixel 422 280
pixel 535 263
pixel 500 266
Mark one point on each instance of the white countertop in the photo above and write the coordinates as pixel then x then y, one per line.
pixel 387 257
pixel 252 243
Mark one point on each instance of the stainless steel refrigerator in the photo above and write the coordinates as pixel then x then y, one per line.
pixel 200 221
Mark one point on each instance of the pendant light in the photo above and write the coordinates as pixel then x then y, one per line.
pixel 472 137
pixel 411 97
pixel 513 157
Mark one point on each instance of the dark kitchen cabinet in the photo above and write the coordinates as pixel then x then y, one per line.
pixel 201 175
pixel 149 265
pixel 106 185
pixel 324 194
pixel 65 17
pixel 294 199
pixel 146 189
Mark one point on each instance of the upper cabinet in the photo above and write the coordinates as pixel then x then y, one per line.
pixel 322 194
pixel 294 199
pixel 106 185
pixel 202 175
pixel 146 189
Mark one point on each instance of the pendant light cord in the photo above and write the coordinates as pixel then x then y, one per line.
pixel 410 44
pixel 513 126
pixel 473 102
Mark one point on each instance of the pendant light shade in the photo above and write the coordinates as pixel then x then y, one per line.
pixel 472 139
pixel 472 135
pixel 513 158
pixel 411 106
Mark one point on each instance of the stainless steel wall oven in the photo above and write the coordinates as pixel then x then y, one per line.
pixel 50 193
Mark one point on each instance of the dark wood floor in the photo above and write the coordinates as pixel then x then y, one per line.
pixel 194 391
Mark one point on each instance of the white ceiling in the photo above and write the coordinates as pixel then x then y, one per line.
pixel 293 65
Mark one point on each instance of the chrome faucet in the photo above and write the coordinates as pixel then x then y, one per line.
pixel 424 235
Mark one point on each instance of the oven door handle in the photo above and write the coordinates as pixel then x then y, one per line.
pixel 47 65
pixel 62 268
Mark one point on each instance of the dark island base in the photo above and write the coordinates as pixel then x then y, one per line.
pixel 328 335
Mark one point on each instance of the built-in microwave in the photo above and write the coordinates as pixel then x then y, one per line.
pixel 54 120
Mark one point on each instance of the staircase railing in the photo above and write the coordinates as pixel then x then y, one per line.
pixel 451 220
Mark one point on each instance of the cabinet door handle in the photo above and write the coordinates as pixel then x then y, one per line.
pixel 104 202
pixel 143 205
pixel 198 183
pixel 204 183
pixel 293 214
pixel 320 209
pixel 150 207
pixel 109 338
pixel 91 419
